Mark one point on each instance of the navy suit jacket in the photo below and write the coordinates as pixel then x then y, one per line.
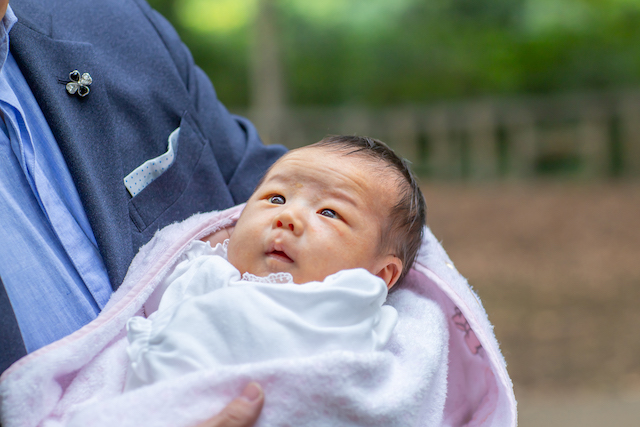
pixel 145 85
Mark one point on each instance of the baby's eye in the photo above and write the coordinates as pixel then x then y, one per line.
pixel 277 199
pixel 329 213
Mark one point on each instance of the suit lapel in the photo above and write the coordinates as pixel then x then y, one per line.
pixel 84 130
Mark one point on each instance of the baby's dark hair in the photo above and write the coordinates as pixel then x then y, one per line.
pixel 402 233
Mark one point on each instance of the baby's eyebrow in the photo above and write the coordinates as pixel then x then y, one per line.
pixel 342 195
pixel 278 177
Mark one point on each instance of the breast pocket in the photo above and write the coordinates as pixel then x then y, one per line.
pixel 176 192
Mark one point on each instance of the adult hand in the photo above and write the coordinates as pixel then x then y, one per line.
pixel 3 7
pixel 242 411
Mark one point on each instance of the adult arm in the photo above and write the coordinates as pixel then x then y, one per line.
pixel 242 157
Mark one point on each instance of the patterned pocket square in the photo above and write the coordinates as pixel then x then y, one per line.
pixel 144 174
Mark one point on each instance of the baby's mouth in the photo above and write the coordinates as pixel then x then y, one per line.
pixel 280 255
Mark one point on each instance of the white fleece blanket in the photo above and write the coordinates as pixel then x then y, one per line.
pixel 415 380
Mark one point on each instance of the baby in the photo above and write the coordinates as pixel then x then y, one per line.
pixel 306 269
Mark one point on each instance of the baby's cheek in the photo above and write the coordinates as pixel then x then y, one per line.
pixel 234 256
pixel 327 266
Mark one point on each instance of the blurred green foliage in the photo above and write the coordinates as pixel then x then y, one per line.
pixel 385 52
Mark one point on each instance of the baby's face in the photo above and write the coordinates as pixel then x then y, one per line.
pixel 316 212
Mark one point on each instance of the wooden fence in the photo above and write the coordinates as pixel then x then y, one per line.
pixel 584 136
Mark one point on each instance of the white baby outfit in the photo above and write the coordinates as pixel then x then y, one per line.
pixel 209 315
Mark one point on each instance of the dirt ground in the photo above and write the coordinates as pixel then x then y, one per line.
pixel 557 266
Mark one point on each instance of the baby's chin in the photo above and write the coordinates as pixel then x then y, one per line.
pixel 274 266
pixel 297 277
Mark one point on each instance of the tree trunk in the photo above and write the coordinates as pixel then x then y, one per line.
pixel 267 82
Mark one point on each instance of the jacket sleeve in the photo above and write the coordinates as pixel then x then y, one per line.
pixel 232 138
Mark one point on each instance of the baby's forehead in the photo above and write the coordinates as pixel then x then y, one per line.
pixel 361 159
pixel 373 177
pixel 377 171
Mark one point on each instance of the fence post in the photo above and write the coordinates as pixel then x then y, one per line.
pixel 483 147
pixel 402 134
pixel 522 141
pixel 593 141
pixel 441 160
pixel 630 133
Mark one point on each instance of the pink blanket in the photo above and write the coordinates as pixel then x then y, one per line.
pixel 79 379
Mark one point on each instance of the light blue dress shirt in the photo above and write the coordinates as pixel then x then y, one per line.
pixel 49 261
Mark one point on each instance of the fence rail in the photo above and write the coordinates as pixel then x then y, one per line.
pixel 583 135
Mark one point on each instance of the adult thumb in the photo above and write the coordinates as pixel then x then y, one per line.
pixel 243 411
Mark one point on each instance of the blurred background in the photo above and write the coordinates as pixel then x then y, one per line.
pixel 522 120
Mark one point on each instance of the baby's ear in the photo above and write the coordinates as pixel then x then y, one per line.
pixel 390 270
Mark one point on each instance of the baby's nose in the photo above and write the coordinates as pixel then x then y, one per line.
pixel 290 224
pixel 290 219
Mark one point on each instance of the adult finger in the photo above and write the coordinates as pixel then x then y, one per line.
pixel 243 411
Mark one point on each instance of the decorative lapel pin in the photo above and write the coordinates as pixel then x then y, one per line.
pixel 79 83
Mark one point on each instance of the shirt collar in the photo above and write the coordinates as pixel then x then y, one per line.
pixel 5 26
